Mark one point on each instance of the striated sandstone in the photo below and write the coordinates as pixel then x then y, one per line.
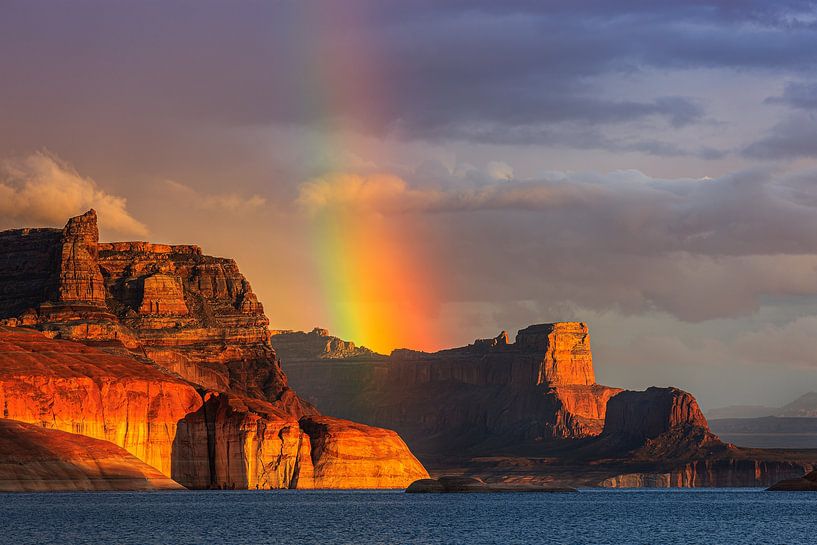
pixel 162 295
pixel 35 459
pixel 492 392
pixel 528 413
pixel 806 483
pixel 220 440
pixel 722 472
pixel 633 417
pixel 78 389
pixel 178 367
pixel 80 279
pixel 344 451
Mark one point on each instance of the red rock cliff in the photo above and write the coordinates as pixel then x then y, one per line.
pixel 187 380
pixel 35 459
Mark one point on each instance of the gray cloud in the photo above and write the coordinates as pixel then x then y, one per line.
pixel 794 137
pixel 696 248
pixel 798 94
pixel 429 70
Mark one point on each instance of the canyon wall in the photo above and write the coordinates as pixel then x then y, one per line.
pixel 542 386
pixel 175 366
pixel 530 412
pixel 35 459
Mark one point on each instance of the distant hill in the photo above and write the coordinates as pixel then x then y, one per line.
pixel 741 411
pixel 803 406
pixel 791 426
pixel 768 431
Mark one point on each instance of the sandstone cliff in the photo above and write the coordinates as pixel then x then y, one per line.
pixel 297 346
pixel 35 459
pixel 492 392
pixel 806 483
pixel 530 413
pixel 175 366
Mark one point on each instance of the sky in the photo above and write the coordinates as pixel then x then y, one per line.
pixel 422 173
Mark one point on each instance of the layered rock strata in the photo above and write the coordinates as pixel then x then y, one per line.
pixel 540 387
pixel 530 413
pixel 176 366
pixel 806 483
pixel 36 459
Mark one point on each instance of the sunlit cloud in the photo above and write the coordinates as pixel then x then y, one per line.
pixel 226 202
pixel 41 189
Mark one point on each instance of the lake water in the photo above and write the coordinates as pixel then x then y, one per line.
pixel 723 516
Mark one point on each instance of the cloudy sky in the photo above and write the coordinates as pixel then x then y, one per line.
pixel 421 173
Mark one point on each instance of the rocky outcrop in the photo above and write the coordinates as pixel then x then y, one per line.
pixel 249 443
pixel 80 279
pixel 457 484
pixel 176 366
pixel 36 459
pixel 566 348
pixel 344 453
pixel 492 392
pixel 529 412
pixel 78 389
pixel 635 417
pixel 806 483
pixel 719 473
pixel 216 440
pixel 664 429
pixel 297 346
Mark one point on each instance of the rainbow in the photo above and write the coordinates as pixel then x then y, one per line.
pixel 371 271
pixel 373 282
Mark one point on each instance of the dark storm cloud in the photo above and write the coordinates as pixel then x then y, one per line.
pixel 475 71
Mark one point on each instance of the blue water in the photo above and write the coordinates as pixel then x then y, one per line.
pixel 592 516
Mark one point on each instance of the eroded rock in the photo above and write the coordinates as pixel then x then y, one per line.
pixel 176 366
pixel 35 459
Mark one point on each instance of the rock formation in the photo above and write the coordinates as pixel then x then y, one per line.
pixel 35 459
pixel 542 386
pixel 176 366
pixel 806 483
pixel 636 417
pixel 457 484
pixel 297 346
pixel 530 413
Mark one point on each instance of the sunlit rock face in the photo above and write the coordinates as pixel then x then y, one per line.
pixel 75 388
pixel 36 459
pixel 176 365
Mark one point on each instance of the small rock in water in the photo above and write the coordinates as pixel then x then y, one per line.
pixel 453 483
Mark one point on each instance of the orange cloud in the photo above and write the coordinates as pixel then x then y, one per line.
pixel 41 189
